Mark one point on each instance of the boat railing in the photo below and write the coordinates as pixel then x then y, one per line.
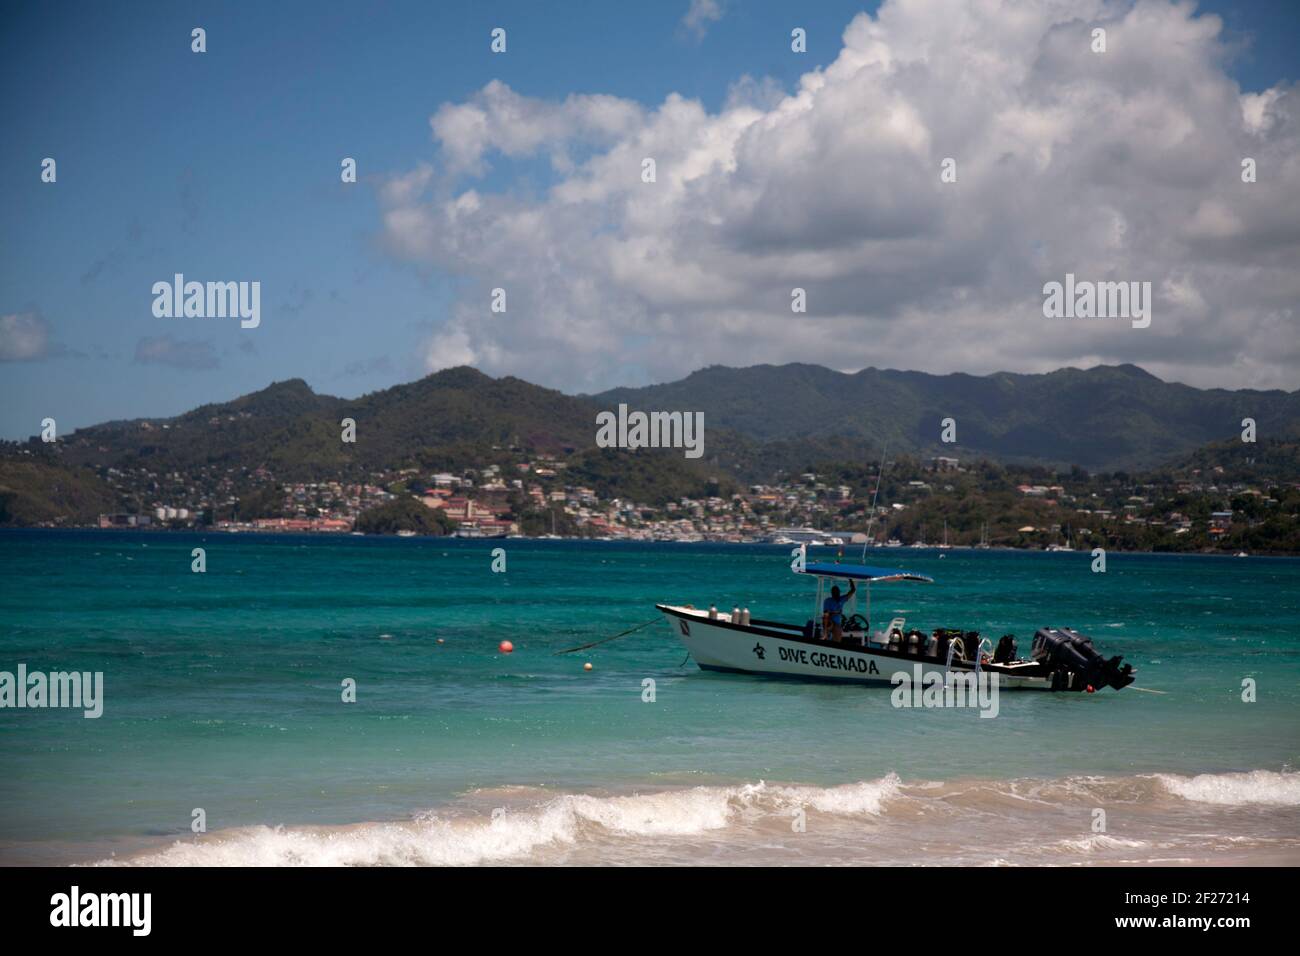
pixel 979 653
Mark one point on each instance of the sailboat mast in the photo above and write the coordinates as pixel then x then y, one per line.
pixel 879 475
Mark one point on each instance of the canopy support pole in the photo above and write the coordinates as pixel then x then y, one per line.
pixel 817 608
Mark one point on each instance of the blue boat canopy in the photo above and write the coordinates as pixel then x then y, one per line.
pixel 860 572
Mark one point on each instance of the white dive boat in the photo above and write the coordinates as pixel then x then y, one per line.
pixel 1062 659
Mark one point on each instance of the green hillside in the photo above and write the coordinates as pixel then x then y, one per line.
pixel 456 419
pixel 1103 418
pixel 292 431
pixel 37 491
pixel 762 424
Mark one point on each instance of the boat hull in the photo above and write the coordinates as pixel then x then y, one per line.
pixel 775 650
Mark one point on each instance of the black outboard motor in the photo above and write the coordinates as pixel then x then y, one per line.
pixel 1075 663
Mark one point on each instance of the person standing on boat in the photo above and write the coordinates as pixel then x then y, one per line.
pixel 833 611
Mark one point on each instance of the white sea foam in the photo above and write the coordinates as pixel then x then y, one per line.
pixel 1236 789
pixel 1097 842
pixel 669 813
pixel 426 843
pixel 434 840
pixel 537 825
pixel 866 797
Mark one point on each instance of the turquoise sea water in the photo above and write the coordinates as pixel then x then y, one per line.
pixel 222 691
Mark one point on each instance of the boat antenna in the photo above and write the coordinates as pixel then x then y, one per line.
pixel 879 474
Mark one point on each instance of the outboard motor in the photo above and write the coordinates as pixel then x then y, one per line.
pixel 1075 663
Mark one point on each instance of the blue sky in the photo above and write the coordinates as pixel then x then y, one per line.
pixel 225 166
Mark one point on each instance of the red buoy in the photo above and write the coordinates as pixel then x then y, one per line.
pixel 505 647
pixel 1091 690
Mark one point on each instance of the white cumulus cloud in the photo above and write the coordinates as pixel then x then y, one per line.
pixel 1124 165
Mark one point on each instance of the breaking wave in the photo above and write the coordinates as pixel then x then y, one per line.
pixel 880 821
pixel 1236 789
pixel 434 840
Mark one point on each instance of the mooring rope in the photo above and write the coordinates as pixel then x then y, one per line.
pixel 606 640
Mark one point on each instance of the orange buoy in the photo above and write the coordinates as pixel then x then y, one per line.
pixel 587 666
pixel 505 647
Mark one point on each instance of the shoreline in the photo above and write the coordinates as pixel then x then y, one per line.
pixel 904 549
pixel 1225 818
